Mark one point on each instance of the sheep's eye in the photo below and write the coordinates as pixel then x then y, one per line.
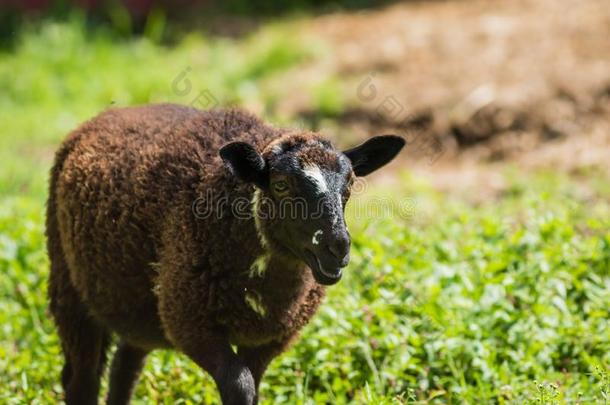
pixel 280 187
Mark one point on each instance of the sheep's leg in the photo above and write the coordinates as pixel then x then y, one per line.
pixel 125 370
pixel 186 322
pixel 233 379
pixel 257 358
pixel 83 341
pixel 84 344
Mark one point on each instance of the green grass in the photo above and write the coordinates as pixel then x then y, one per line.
pixel 505 301
pixel 61 74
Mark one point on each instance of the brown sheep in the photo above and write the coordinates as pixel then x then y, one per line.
pixel 141 245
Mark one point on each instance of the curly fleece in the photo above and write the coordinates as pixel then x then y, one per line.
pixel 128 256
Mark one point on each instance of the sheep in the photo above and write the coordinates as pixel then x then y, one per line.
pixel 133 256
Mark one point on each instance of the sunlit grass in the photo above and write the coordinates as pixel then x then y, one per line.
pixel 504 302
pixel 61 74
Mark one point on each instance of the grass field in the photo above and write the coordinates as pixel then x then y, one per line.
pixel 503 301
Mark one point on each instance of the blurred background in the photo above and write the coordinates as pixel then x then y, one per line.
pixel 492 285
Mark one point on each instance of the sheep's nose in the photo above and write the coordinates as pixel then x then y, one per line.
pixel 339 248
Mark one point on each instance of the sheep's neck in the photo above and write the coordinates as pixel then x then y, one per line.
pixel 276 271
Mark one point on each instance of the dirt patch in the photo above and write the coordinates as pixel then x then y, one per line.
pixel 481 126
pixel 525 81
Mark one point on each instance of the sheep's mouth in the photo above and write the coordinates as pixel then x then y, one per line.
pixel 324 276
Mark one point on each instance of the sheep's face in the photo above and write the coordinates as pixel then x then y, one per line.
pixel 302 185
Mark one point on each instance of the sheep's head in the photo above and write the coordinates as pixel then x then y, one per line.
pixel 302 185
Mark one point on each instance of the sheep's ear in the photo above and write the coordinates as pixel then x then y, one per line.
pixel 245 163
pixel 374 153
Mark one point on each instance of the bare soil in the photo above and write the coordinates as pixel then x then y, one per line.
pixel 475 84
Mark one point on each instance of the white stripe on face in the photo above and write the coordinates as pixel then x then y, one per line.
pixel 314 175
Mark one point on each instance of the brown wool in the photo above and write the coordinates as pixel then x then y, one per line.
pixel 129 257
